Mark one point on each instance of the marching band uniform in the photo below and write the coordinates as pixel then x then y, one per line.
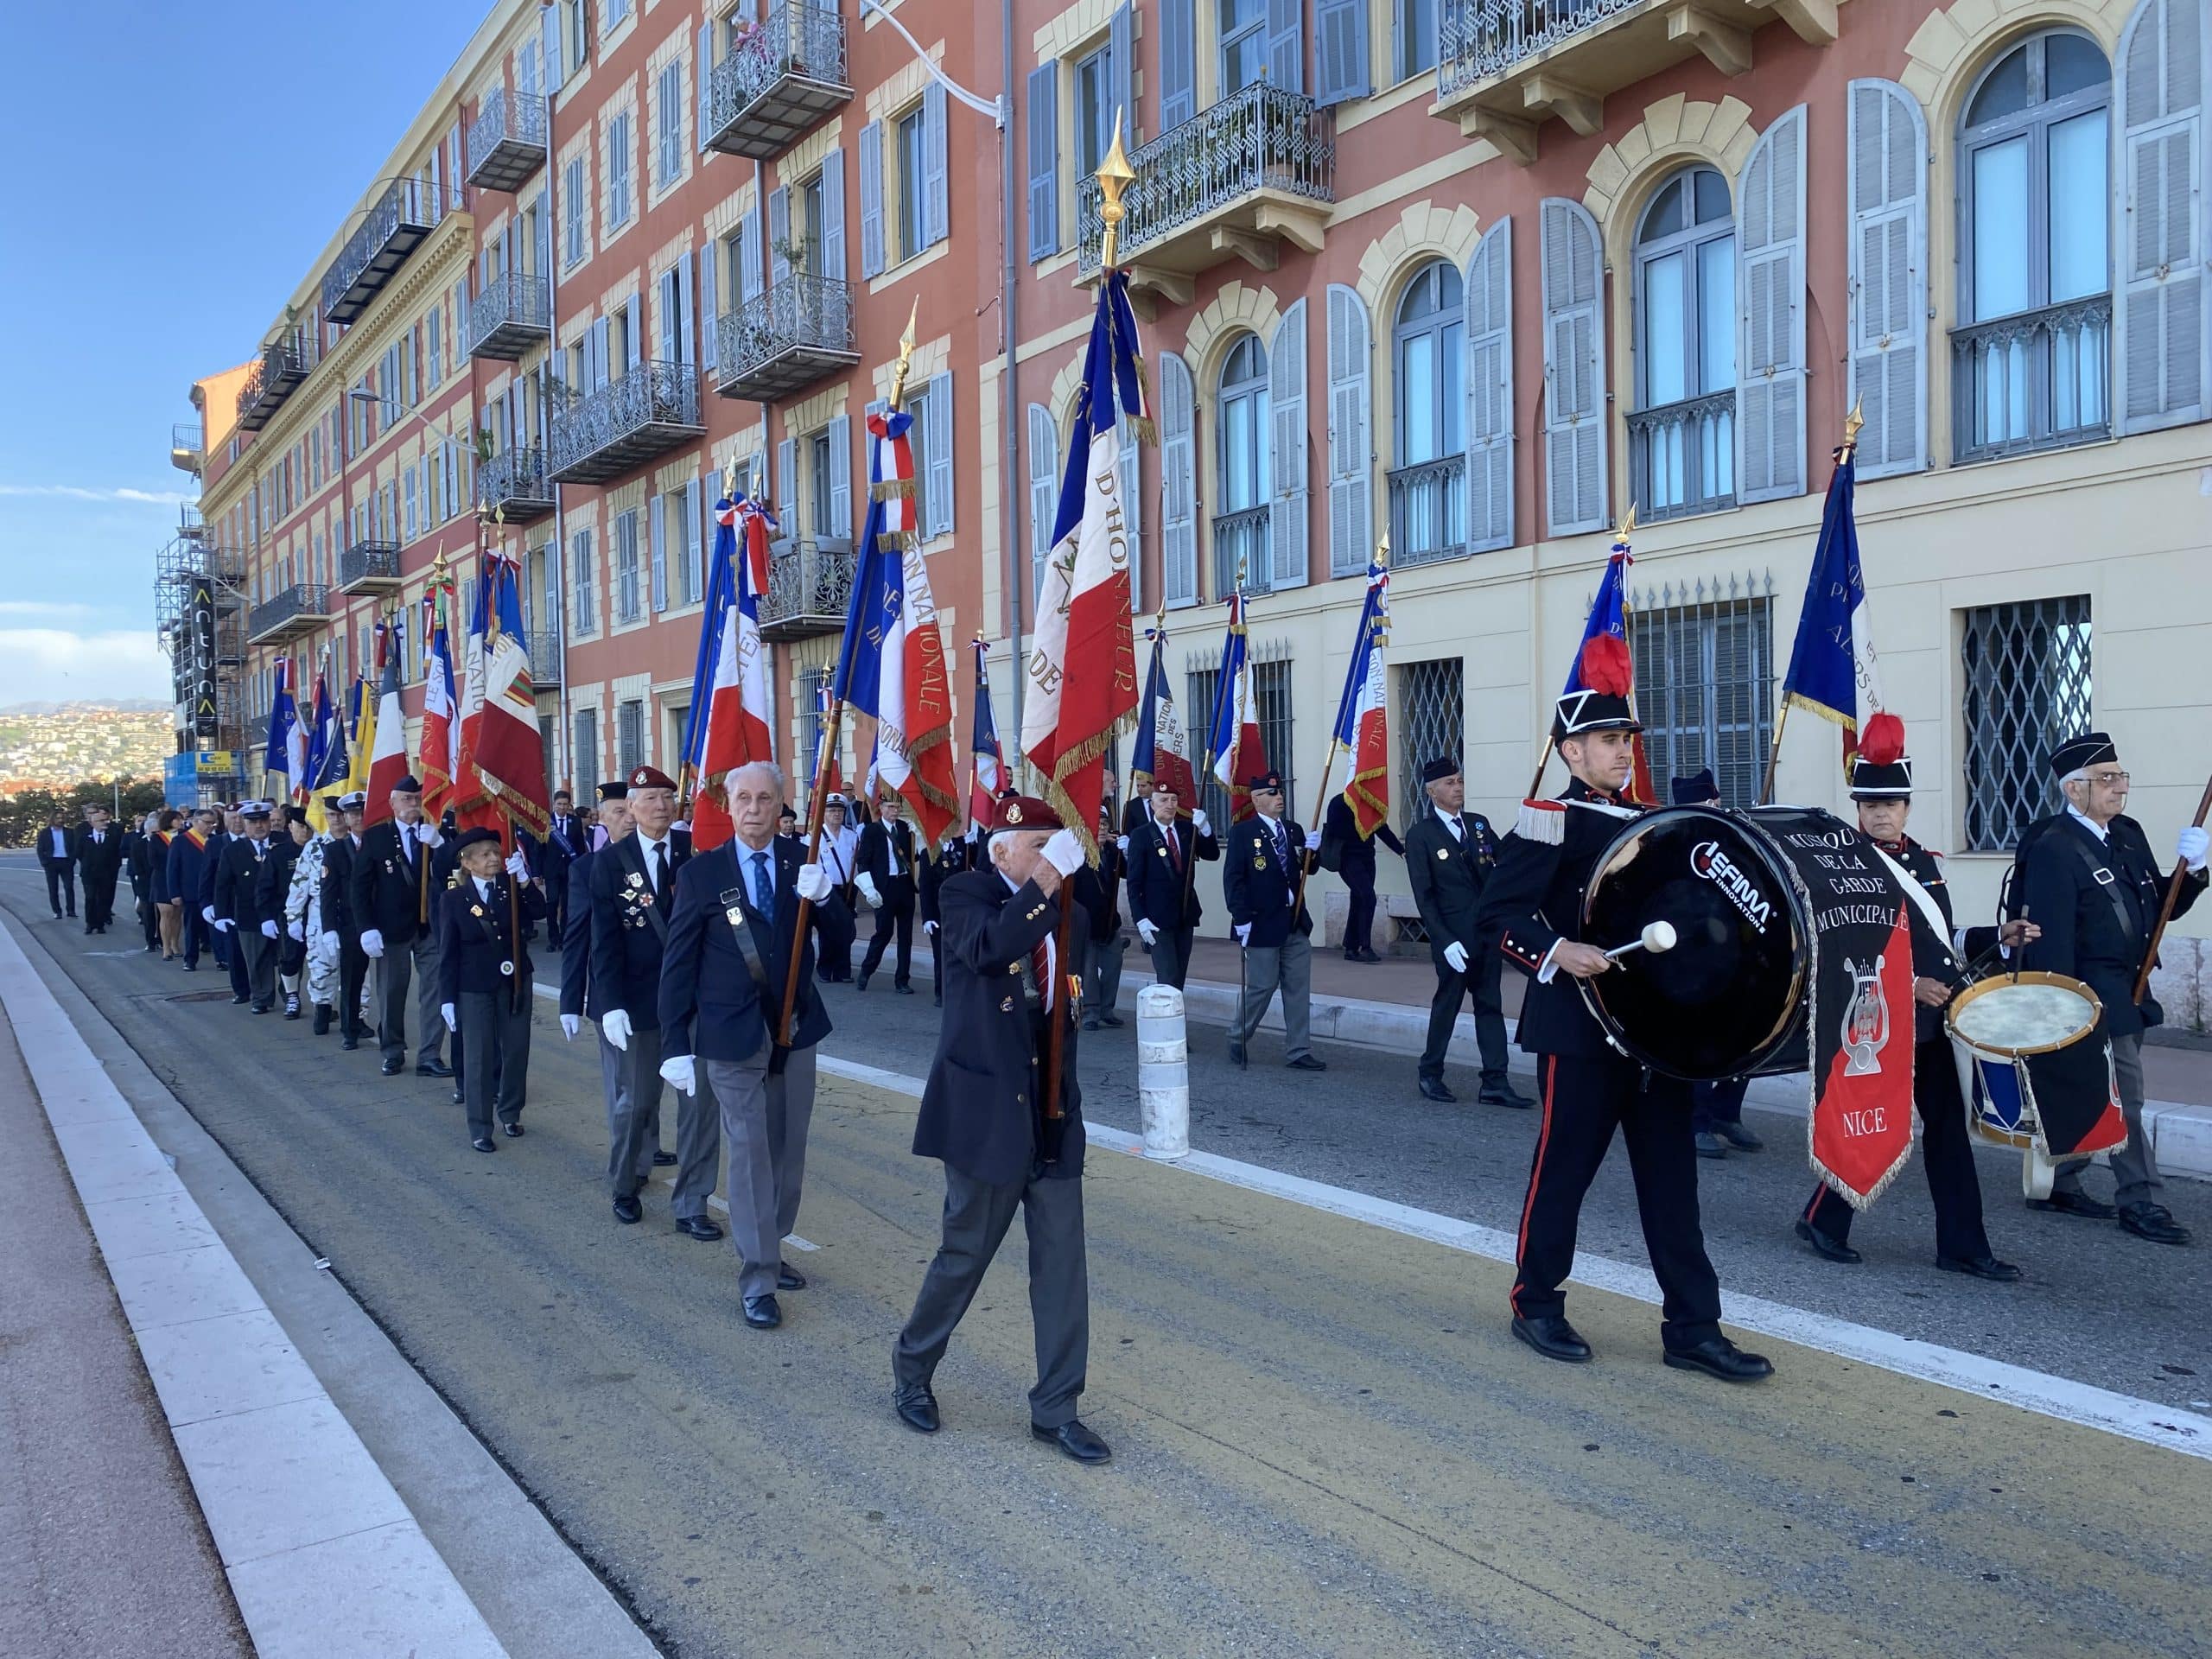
pixel 1532 904
pixel 394 893
pixel 1260 883
pixel 1716 1108
pixel 483 986
pixel 1163 898
pixel 248 900
pixel 1449 859
pixel 980 1117
pixel 886 873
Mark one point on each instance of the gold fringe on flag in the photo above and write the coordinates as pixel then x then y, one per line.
pixel 892 489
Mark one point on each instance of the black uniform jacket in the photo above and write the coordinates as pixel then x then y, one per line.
pixel 1098 890
pixel 389 894
pixel 629 926
pixel 979 1108
pixel 873 859
pixel 949 860
pixel 102 860
pixel 339 857
pixel 1932 956
pixel 476 937
pixel 1259 887
pixel 1157 893
pixel 1354 852
pixel 710 1004
pixel 190 864
pixel 209 858
pixel 575 941
pixel 2096 903
pixel 247 890
pixel 1447 876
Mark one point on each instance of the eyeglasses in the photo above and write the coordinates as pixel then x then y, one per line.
pixel 2108 779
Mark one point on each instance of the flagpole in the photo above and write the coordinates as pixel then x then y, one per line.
pixel 1221 693
pixel 1844 452
pixel 1544 759
pixel 1336 734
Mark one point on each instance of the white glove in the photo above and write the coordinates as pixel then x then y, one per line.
pixel 570 1025
pixel 1312 841
pixel 866 885
pixel 517 866
pixel 1063 852
pixel 1199 822
pixel 372 943
pixel 930 928
pixel 678 1072
pixel 1243 932
pixel 2190 850
pixel 269 930
pixel 812 883
pixel 1121 843
pixel 1456 954
pixel 1148 933
pixel 614 1025
pixel 427 833
pixel 298 930
pixel 329 941
pixel 222 924
pixel 453 1020
pixel 207 914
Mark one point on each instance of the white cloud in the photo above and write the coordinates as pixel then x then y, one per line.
pixel 51 610
pixel 77 493
pixel 56 665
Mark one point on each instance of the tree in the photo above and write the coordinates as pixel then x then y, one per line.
pixel 21 816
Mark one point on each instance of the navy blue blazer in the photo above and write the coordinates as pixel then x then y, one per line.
pixel 575 941
pixel 475 940
pixel 1157 893
pixel 1260 888
pixel 629 927
pixel 710 1004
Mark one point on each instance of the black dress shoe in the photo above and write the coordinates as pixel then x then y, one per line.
pixel 1307 1063
pixel 698 1227
pixel 512 1131
pixel 1708 1144
pixel 628 1211
pixel 902 988
pixel 1433 1089
pixel 485 1143
pixel 1505 1094
pixel 264 1008
pixel 1075 1442
pixel 349 1044
pixel 1984 1266
pixel 917 1409
pixel 2076 1204
pixel 1738 1137
pixel 321 1020
pixel 1828 1244
pixel 389 1068
pixel 433 1069
pixel 240 1002
pixel 1090 1024
pixel 1718 1356
pixel 664 1159
pixel 459 1098
pixel 860 984
pixel 1111 1020
pixel 1236 1053
pixel 762 1313
pixel 789 1277
pixel 2153 1221
pixel 1550 1335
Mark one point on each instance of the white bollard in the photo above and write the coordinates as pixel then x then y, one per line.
pixel 1163 1073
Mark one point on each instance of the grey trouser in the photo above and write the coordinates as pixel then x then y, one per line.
pixel 632 1080
pixel 1289 966
pixel 1102 974
pixel 1171 954
pixel 418 960
pixel 2135 1168
pixel 764 1119
pixel 261 957
pixel 977 1216
pixel 495 1057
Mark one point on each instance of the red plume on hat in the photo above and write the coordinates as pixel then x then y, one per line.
pixel 1605 665
pixel 1882 742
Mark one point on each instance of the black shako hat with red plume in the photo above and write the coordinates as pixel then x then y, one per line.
pixel 1881 771
pixel 1602 705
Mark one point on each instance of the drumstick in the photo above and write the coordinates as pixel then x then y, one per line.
pixel 2020 954
pixel 1657 937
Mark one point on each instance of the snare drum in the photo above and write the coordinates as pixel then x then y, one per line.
pixel 2000 1029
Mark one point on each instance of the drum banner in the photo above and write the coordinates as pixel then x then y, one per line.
pixel 2075 1097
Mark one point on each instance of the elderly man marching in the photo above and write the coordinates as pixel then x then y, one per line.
pixel 721 998
pixel 1262 880
pixel 395 905
pixel 982 1114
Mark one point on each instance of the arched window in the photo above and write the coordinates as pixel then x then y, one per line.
pixel 1682 436
pixel 1240 524
pixel 1429 351
pixel 2032 355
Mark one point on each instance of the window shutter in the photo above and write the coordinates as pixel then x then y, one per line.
pixel 693 523
pixel 703 63
pixel 1132 514
pixel 1489 390
pixel 634 328
pixel 872 200
pixel 1340 66
pixel 1178 484
pixel 1286 404
pixel 1770 301
pixel 1351 443
pixel 1122 70
pixel 936 220
pixel 1044 146
pixel 711 329
pixel 1179 64
pixel 2163 328
pixel 786 503
pixel 1286 44
pixel 687 353
pixel 779 235
pixel 833 215
pixel 1889 278
pixel 1575 368
pixel 841 479
pixel 549 31
pixel 749 253
pixel 658 528
pixel 1044 458
pixel 938 492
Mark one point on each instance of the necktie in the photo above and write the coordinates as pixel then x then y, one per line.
pixel 652 865
pixel 1174 849
pixel 1458 827
pixel 764 887
pixel 1282 845
pixel 1040 971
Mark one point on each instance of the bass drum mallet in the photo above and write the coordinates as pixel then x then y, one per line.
pixel 1657 937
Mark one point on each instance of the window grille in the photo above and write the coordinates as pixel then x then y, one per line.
pixel 629 736
pixel 1431 721
pixel 2026 674
pixel 1705 684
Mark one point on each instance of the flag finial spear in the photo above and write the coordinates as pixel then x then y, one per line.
pixel 906 356
pixel 1627 525
pixel 1115 175
pixel 729 478
pixel 1383 551
pixel 1852 422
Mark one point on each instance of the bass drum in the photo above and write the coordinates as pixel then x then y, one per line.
pixel 1729 1000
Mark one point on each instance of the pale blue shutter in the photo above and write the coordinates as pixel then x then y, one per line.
pixel 1121 71
pixel 684 307
pixel 833 215
pixel 704 61
pixel 1043 457
pixel 841 479
pixel 693 523
pixel 1044 148
pixel 658 530
pixel 1340 66
pixel 1575 368
pixel 1287 45
pixel 711 329
pixel 1888 356
pixel 1286 515
pixel 872 200
pixel 749 253
pixel 1770 301
pixel 780 236
pixel 2164 331
pixel 549 29
pixel 936 493
pixel 1179 62
pixel 786 503
pixel 935 216
pixel 1178 485
pixel 1489 390
pixel 1351 443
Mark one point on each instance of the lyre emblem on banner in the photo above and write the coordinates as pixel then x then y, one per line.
pixel 1866 1019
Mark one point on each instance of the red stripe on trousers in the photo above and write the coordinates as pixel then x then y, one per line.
pixel 1536 1174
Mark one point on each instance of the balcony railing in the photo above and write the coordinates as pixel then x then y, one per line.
pixel 1240 546
pixel 513 484
pixel 301 608
pixel 1428 510
pixel 785 339
pixel 1682 456
pixel 618 428
pixel 506 142
pixel 370 566
pixel 809 586
pixel 1257 169
pixel 511 316
pixel 1483 39
pixel 395 227
pixel 188 452
pixel 782 78
pixel 2039 380
pixel 283 366
pixel 544 658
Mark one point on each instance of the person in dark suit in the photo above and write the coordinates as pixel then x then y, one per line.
pixel 567 838
pixel 138 849
pixel 1267 857
pixel 1138 807
pixel 227 953
pixel 982 1115
pixel 2087 879
pixel 1450 854
pixel 99 857
pixel 248 904
pixel 1163 892
pixel 57 856
pixel 395 889
pixel 483 979
pixel 954 856
pixel 1532 906
pixel 577 1004
pixel 189 870
pixel 886 882
pixel 722 985
pixel 1352 855
pixel 341 858
pixel 1098 890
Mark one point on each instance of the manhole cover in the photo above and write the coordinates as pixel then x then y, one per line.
pixel 201 996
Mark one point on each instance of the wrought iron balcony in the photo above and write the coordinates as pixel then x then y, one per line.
pixel 369 567
pixel 283 366
pixel 2040 380
pixel 809 584
pixel 299 609
pixel 506 142
pixel 601 435
pixel 512 484
pixel 783 78
pixel 783 340
pixel 395 227
pixel 188 446
pixel 1428 510
pixel 512 315
pixel 1257 169
pixel 1504 66
pixel 1682 456
pixel 1241 548
pixel 544 659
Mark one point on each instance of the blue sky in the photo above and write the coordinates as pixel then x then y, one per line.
pixel 178 166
